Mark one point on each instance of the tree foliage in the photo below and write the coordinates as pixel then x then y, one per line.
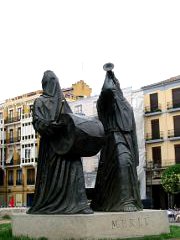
pixel 170 179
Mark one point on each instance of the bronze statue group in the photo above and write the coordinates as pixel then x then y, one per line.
pixel 60 185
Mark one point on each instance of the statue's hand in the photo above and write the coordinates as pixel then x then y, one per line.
pixel 59 124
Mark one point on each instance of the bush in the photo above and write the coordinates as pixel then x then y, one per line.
pixel 171 179
pixel 6 217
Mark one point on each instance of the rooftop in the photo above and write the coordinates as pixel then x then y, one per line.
pixel 162 83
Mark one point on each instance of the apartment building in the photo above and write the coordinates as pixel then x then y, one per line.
pixel 19 145
pixel 18 150
pixel 78 90
pixel 162 134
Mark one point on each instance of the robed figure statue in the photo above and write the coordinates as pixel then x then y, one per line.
pixel 116 187
pixel 60 186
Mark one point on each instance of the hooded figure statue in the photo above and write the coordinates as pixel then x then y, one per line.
pixel 60 187
pixel 116 187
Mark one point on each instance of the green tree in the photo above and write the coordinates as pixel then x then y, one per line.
pixel 170 180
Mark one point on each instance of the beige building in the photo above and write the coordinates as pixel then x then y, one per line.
pixel 18 151
pixel 162 134
pixel 78 90
pixel 19 145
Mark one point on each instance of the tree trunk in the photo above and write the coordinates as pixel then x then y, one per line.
pixel 170 200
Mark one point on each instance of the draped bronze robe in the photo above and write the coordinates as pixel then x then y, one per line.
pixel 60 187
pixel 116 183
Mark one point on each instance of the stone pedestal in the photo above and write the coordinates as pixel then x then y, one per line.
pixel 94 226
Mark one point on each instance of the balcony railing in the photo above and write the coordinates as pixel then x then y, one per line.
pixel 171 105
pixel 30 181
pixel 26 115
pixel 155 170
pixel 18 182
pixel 17 161
pixel 153 165
pixel 157 136
pixel 150 164
pixel 12 119
pixel 154 174
pixel 28 160
pixel 3 141
pixel 151 109
pixel 13 161
pixel 13 140
pixel 10 182
pixel 173 133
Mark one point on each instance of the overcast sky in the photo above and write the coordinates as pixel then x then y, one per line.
pixel 74 38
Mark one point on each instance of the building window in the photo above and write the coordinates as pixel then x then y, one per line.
pixel 78 108
pixel 30 197
pixel 176 120
pixel 19 200
pixel 153 102
pixel 10 177
pixel 30 108
pixel 156 155
pixel 1 177
pixel 176 97
pixel 155 129
pixel 19 177
pixel 19 110
pixel 177 153
pixel 30 176
pixel 11 114
pixel 10 157
pixel 19 133
pixel 11 135
pixel 27 153
pixel 1 115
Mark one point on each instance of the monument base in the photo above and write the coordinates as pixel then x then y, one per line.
pixel 99 225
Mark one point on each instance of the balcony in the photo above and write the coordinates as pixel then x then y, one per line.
pixel 28 161
pixel 10 182
pixel 3 141
pixel 18 182
pixel 163 164
pixel 173 134
pixel 149 110
pixel 154 170
pixel 155 137
pixel 11 161
pixel 30 181
pixel 12 119
pixel 173 107
pixel 26 115
pixel 17 161
pixel 13 140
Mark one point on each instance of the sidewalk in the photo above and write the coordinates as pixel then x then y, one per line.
pixel 175 223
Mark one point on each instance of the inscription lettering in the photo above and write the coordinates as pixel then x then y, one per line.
pixel 139 222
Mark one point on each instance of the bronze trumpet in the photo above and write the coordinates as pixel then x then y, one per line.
pixel 108 66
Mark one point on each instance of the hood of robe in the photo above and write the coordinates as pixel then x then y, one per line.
pixel 122 109
pixel 54 101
